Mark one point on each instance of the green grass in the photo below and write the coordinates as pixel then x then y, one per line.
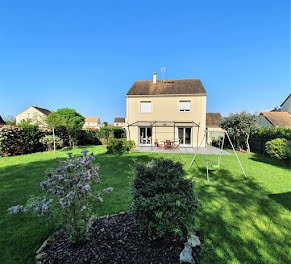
pixel 239 220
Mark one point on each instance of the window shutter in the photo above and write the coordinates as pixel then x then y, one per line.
pixel 184 106
pixel 145 107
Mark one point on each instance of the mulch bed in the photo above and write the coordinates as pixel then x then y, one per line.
pixel 114 239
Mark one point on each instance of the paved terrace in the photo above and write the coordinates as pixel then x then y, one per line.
pixel 183 150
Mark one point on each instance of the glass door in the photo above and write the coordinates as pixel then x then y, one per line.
pixel 145 135
pixel 185 135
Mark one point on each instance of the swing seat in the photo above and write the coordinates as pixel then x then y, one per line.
pixel 215 166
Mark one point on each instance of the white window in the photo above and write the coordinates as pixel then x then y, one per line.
pixel 146 107
pixel 184 106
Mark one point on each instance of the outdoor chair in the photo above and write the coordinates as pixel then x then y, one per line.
pixel 178 145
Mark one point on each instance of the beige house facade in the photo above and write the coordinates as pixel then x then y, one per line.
pixel 92 123
pixel 119 122
pixel 33 114
pixel 173 110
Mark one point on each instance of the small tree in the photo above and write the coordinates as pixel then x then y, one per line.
pixel 240 124
pixel 53 121
pixel 69 195
pixel 70 119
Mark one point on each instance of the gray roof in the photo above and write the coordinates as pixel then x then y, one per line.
pixel 170 87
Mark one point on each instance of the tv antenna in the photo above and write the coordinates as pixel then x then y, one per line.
pixel 163 70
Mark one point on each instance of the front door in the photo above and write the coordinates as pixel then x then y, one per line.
pixel 185 135
pixel 145 135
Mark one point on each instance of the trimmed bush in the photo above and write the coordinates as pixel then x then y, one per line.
pixel 274 132
pixel 88 137
pixel 163 199
pixel 120 145
pixel 278 148
pixel 48 142
pixel 17 141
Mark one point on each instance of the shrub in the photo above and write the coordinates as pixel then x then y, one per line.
pixel 88 137
pixel 17 141
pixel 274 132
pixel 278 148
pixel 48 142
pixel 120 145
pixel 68 195
pixel 163 200
pixel 119 132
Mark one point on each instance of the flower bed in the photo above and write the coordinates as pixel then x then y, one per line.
pixel 114 239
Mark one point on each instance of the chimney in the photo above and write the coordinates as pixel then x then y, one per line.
pixel 154 77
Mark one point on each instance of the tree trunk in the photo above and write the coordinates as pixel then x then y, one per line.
pixel 54 139
pixel 248 145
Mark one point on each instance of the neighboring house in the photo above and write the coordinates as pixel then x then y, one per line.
pixel 212 121
pixel 34 114
pixel 166 110
pixel 286 105
pixel 119 122
pixel 92 123
pixel 212 124
pixel 277 119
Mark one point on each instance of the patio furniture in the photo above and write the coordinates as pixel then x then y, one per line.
pixel 168 144
pixel 178 145
pixel 157 144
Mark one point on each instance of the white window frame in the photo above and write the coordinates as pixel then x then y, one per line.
pixel 185 110
pixel 145 112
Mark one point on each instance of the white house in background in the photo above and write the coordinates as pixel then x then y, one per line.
pixel 119 122
pixel 92 123
pixel 33 114
pixel 286 105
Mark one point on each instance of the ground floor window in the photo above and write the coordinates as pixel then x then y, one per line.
pixel 184 134
pixel 145 135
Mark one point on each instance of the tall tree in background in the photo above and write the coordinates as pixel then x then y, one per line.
pixel 70 119
pixel 241 124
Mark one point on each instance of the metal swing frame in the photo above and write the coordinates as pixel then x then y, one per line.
pixel 205 139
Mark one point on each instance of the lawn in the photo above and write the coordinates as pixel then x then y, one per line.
pixel 239 221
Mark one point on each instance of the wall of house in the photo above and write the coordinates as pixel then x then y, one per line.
pixel 90 124
pixel 119 124
pixel 166 108
pixel 264 122
pixel 286 107
pixel 33 114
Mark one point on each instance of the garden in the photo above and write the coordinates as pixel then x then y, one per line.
pixel 236 220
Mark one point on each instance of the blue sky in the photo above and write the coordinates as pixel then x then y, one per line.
pixel 87 54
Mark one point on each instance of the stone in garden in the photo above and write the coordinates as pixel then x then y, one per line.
pixel 186 254
pixel 42 247
pixel 194 241
pixel 41 256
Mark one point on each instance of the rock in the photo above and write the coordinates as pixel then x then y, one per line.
pixel 186 255
pixel 122 213
pixel 41 256
pixel 194 241
pixel 42 247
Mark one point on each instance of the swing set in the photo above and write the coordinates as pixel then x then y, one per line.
pixel 218 137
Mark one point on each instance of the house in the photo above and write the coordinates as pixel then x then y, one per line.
pixel 33 114
pixel 277 119
pixel 173 110
pixel 286 105
pixel 119 122
pixel 212 121
pixel 91 123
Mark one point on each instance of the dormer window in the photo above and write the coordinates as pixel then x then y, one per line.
pixel 184 106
